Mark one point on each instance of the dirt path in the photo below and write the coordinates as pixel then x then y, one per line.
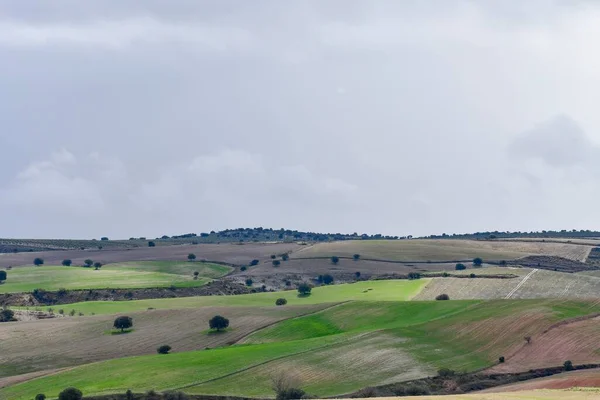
pixel 525 279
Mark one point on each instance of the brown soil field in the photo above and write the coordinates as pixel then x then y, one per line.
pixel 525 395
pixel 228 253
pixel 69 341
pixel 578 341
pixel 567 380
pixel 541 284
pixel 443 250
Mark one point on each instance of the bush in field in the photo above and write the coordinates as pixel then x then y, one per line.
pixel 67 262
pixel 218 322
pixel 442 296
pixel 357 274
pixel 276 263
pixel 327 279
pixel 128 395
pixel 254 262
pixel 196 273
pixel 501 359
pixel 97 265
pixel 2 276
pixel 472 275
pixel 568 365
pixel 123 322
pixel 249 282
pixel 40 396
pixel 243 268
pixel 104 238
pixel 335 260
pixel 7 315
pixel 164 349
pixel 70 394
pixel 304 289
pixel 191 257
pixel 285 257
pixel 280 302
pixel 356 257
pixel 151 244
pixel 273 256
pixel 477 261
pixel 527 339
pixel 286 387
pixel 414 275
pixel 460 267
pixel 445 372
pixel 88 263
pixel 38 261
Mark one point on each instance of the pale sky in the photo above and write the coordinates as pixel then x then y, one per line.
pixel 143 118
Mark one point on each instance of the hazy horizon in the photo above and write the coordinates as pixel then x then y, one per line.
pixel 125 119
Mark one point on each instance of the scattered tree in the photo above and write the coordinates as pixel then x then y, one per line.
pixel 460 267
pixel 164 349
pixel 88 263
pixel 67 262
pixel 72 313
pixel 357 274
pixel 477 261
pixel 304 289
pixel 280 302
pixel 218 322
pixel 7 315
pixel 191 257
pixel 527 339
pixel 286 387
pixel 414 275
pixel 151 244
pixel 568 365
pixel 196 273
pixel 285 257
pixel 2 276
pixel 38 261
pixel 70 394
pixel 243 268
pixel 356 257
pixel 472 275
pixel 442 296
pixel 335 260
pixel 40 396
pixel 249 282
pixel 501 359
pixel 128 395
pixel 97 265
pixel 123 322
pixel 254 262
pixel 503 263
pixel 445 372
pixel 104 238
pixel 327 279
pixel 276 263
pixel 273 256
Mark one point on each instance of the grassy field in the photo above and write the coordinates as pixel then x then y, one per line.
pixel 114 276
pixel 334 351
pixel 442 250
pixel 573 394
pixel 389 290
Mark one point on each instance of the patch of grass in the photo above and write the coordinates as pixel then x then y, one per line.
pixel 26 279
pixel 185 268
pixel 389 290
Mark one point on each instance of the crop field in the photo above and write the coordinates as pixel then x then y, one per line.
pixel 116 276
pixel 229 253
pixel 442 250
pixel 579 379
pixel 573 394
pixel 386 290
pixel 68 341
pixel 540 284
pixel 337 350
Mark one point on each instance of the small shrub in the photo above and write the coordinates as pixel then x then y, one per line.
pixel 414 275
pixel 72 313
pixel 123 322
pixel 88 263
pixel 442 296
pixel 97 265
pixel 527 339
pixel 477 261
pixel 196 273
pixel 61 311
pixel 304 289
pixel 285 257
pixel 273 256
pixel 445 372
pixel 243 268
pixel 40 396
pixel 472 275
pixel 290 394
pixel 568 365
pixel 327 279
pixel 38 261
pixel 280 302
pixel 503 263
pixel 501 359
pixel 2 275
pixel 335 260
pixel 254 262
pixel 191 257
pixel 7 315
pixel 357 274
pixel 70 394
pixel 249 282
pixel 151 244
pixel 356 257
pixel 164 349
pixel 67 262
pixel 276 263
pixel 460 267
pixel 218 322
pixel 128 395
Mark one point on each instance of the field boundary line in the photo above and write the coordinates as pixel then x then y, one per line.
pixel 525 279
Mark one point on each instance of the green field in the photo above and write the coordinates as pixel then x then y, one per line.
pixel 389 290
pixel 114 276
pixel 335 351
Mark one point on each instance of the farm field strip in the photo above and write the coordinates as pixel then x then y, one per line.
pixel 525 278
pixel 384 290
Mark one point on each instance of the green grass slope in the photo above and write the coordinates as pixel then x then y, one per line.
pixel 335 351
pixel 388 290
pixel 114 276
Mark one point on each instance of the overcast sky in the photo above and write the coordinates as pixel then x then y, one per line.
pixel 128 118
